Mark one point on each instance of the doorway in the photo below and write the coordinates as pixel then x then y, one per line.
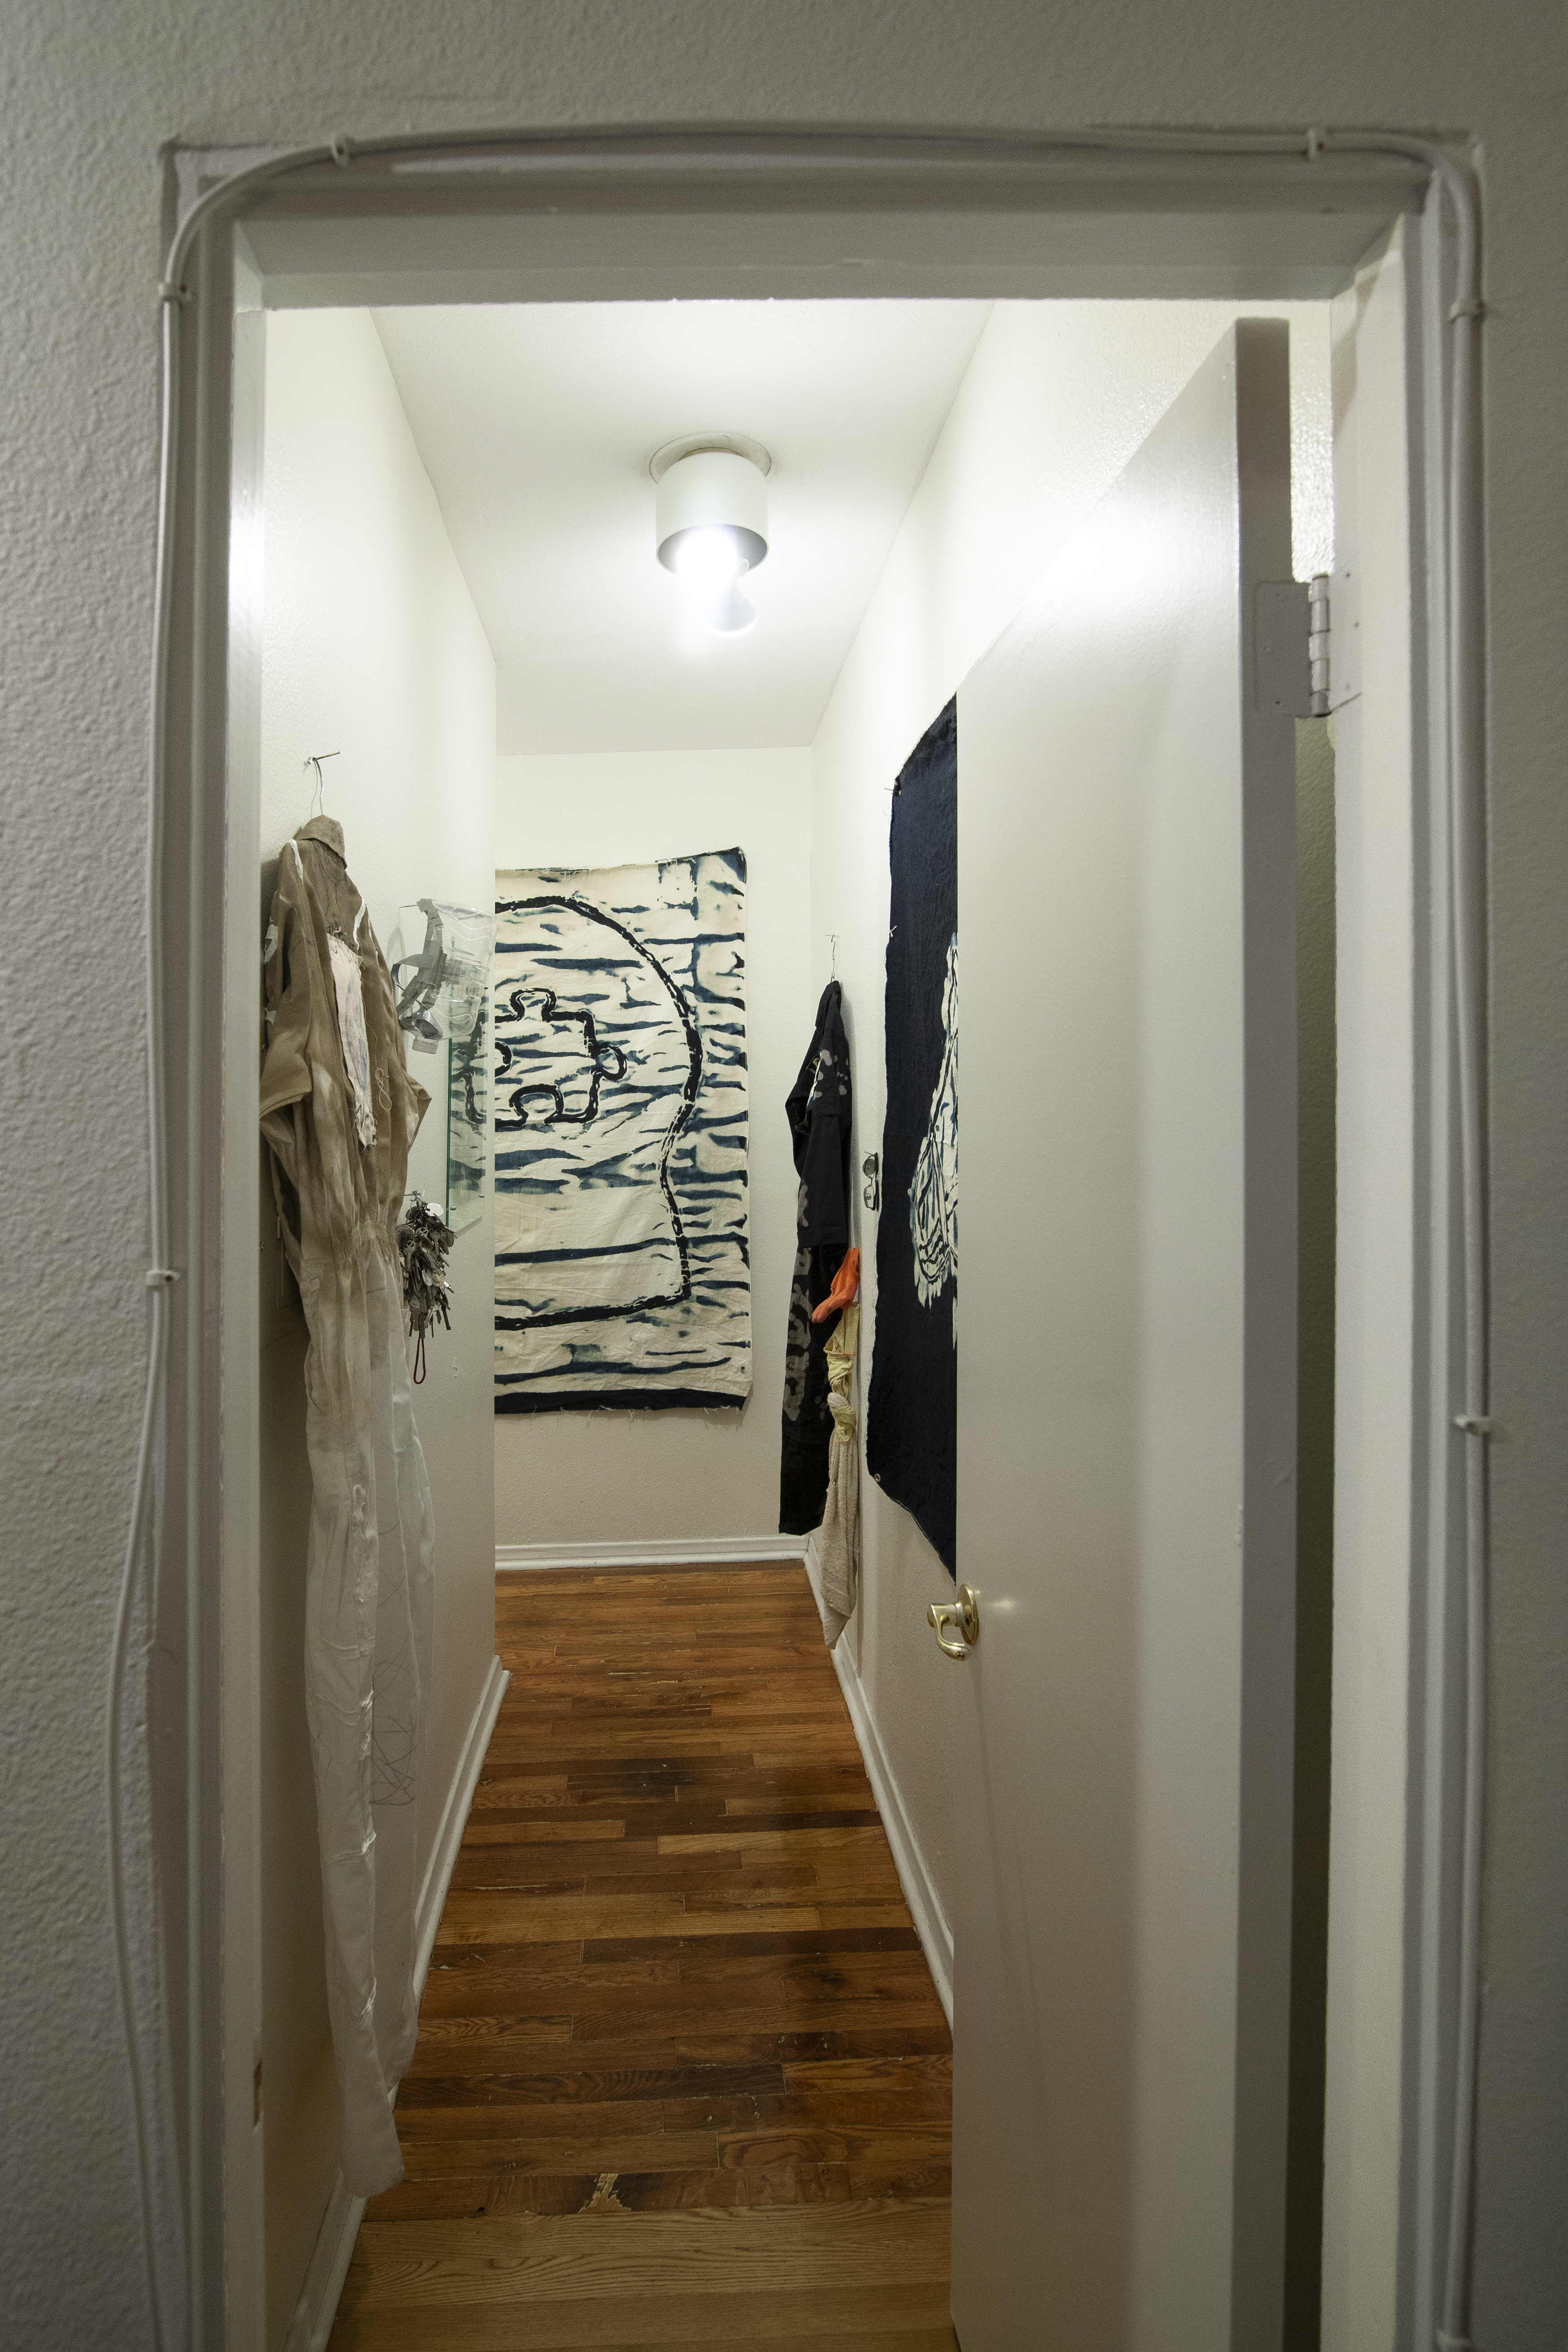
pixel 427 468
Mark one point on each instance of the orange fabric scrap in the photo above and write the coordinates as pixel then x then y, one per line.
pixel 846 1283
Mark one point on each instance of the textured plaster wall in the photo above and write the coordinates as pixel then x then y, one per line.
pixel 578 1478
pixel 91 94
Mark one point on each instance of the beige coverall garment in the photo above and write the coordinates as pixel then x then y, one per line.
pixel 338 1111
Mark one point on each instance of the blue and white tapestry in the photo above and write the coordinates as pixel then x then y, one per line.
pixel 623 1268
pixel 911 1416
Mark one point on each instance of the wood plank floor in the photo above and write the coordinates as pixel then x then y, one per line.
pixel 682 2076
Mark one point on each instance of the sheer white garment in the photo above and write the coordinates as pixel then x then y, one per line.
pixel 338 1111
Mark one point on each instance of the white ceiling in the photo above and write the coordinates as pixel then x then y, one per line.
pixel 536 423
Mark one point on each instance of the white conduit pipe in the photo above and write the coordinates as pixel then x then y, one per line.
pixel 149 2077
pixel 1467 819
pixel 829 154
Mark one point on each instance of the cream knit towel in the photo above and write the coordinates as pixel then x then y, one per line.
pixel 838 1540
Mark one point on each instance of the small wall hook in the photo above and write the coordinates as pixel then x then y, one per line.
pixel 832 943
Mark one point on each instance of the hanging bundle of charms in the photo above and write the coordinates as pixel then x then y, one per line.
pixel 424 1243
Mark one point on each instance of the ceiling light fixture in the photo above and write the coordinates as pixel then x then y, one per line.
pixel 711 521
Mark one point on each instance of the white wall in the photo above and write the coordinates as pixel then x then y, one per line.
pixel 371 648
pixel 574 1477
pixel 1056 400
pixel 93 94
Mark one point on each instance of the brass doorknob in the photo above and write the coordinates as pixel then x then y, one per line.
pixel 963 1613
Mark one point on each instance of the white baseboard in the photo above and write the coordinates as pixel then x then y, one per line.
pixel 329 2264
pixel 325 2273
pixel 686 1551
pixel 454 1821
pixel 920 1892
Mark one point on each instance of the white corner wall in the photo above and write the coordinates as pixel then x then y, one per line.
pixel 1056 400
pixel 617 1478
pixel 1373 1838
pixel 371 648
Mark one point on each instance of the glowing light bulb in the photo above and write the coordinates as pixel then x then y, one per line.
pixel 708 560
pixel 732 615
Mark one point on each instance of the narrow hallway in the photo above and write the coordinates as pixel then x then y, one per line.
pixel 682 2076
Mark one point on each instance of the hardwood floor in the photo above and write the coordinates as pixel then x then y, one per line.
pixel 682 2076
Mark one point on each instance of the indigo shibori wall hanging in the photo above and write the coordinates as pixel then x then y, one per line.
pixel 911 1420
pixel 623 1274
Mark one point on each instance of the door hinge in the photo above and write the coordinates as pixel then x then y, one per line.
pixel 1291 647
pixel 1318 646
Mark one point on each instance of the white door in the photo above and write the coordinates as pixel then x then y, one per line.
pixel 1127 1413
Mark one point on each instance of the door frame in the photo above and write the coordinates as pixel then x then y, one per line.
pixel 1092 204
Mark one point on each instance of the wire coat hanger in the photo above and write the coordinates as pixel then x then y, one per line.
pixel 314 760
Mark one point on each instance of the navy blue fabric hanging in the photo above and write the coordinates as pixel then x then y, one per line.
pixel 818 1110
pixel 912 1421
